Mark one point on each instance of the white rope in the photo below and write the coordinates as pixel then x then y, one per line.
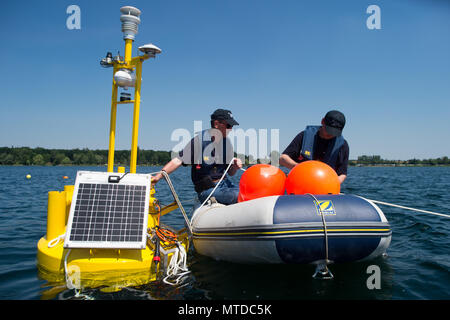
pixel 55 241
pixel 69 282
pixel 177 267
pixel 74 283
pixel 408 208
pixel 223 176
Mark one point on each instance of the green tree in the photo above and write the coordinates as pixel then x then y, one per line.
pixel 38 160
pixel 58 158
pixel 66 161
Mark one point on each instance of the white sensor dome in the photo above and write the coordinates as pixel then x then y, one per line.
pixel 149 48
pixel 125 78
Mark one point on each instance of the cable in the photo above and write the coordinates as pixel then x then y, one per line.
pixel 168 237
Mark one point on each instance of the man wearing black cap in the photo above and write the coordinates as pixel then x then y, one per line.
pixel 209 154
pixel 324 143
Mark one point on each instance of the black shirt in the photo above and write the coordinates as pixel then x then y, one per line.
pixel 320 147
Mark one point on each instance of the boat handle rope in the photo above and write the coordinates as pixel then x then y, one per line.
pixel 322 271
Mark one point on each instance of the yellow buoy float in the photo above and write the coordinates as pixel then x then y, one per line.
pixel 91 266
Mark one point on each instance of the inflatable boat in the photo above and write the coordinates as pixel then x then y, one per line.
pixel 292 229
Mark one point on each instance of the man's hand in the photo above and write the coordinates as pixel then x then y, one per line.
pixel 156 178
pixel 237 163
pixel 342 178
pixel 170 167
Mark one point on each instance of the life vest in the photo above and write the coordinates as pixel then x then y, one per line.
pixel 309 138
pixel 209 161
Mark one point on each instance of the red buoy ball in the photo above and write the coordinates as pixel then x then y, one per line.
pixel 261 180
pixel 313 177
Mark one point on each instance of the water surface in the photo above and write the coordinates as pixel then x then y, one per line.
pixel 417 265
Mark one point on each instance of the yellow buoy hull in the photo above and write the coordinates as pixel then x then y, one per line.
pixel 98 267
pixel 114 268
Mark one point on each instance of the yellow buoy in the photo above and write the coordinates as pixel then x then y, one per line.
pixel 28 176
pixel 65 177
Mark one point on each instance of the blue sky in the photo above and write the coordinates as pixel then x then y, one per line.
pixel 275 64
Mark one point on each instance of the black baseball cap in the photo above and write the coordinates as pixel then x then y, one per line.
pixel 225 115
pixel 334 122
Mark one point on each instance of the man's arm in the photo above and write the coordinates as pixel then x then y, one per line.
pixel 170 167
pixel 287 161
pixel 291 152
pixel 186 156
pixel 343 162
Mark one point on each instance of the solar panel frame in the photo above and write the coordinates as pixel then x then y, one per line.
pixel 108 215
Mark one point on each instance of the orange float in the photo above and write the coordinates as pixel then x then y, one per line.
pixel 261 180
pixel 313 177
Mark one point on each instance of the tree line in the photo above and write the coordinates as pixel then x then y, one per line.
pixel 53 157
pixel 377 160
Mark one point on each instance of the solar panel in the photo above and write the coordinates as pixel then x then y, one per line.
pixel 107 214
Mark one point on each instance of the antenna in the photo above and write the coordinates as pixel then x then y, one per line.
pixel 150 49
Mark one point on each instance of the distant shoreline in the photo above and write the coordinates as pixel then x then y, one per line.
pixel 160 165
pixel 398 165
pixel 25 156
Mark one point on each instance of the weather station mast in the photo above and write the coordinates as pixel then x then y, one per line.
pixel 127 72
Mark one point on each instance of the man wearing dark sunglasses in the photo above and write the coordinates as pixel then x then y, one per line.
pixel 209 154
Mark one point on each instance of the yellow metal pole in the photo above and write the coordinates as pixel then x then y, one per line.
pixel 128 47
pixel 69 195
pixel 137 101
pixel 56 214
pixel 112 126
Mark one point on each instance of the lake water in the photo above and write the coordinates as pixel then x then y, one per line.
pixel 417 265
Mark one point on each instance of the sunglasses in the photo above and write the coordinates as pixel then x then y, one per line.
pixel 229 126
